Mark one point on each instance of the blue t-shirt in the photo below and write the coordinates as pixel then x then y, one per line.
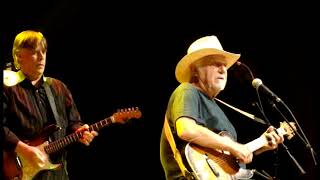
pixel 188 101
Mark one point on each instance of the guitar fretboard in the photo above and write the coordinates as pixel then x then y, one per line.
pixel 261 141
pixel 57 145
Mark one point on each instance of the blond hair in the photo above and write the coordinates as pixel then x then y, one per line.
pixel 27 39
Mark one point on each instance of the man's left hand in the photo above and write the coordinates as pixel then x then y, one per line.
pixel 87 136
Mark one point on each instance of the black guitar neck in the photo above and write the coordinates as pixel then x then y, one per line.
pixel 59 144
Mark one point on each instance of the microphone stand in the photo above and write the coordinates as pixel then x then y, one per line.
pixel 260 107
pixel 304 140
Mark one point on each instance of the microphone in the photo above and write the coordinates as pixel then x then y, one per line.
pixel 256 83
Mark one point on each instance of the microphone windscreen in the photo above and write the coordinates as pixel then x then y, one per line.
pixel 256 82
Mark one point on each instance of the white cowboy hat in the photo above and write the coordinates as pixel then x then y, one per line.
pixel 208 45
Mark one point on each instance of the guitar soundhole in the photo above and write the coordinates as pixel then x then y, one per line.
pixel 211 165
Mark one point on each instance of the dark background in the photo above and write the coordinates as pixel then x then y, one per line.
pixel 122 55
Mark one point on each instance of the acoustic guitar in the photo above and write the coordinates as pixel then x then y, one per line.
pixel 211 164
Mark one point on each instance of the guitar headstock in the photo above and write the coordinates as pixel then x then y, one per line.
pixel 288 129
pixel 123 115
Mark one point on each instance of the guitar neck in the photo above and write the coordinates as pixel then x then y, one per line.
pixel 59 144
pixel 261 141
pixel 101 124
pixel 256 144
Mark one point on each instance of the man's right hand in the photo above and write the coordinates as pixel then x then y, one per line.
pixel 242 153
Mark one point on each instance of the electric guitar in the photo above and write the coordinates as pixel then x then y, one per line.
pixel 210 164
pixel 16 168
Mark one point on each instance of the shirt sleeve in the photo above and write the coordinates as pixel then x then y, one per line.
pixel 186 104
pixel 10 139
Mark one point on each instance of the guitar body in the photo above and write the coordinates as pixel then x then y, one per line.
pixel 11 166
pixel 16 168
pixel 210 164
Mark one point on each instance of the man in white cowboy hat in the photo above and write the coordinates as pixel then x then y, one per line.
pixel 196 122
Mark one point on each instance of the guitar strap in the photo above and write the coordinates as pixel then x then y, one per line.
pixel 52 103
pixel 176 152
pixel 251 116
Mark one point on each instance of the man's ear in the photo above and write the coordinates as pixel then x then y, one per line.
pixel 194 74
